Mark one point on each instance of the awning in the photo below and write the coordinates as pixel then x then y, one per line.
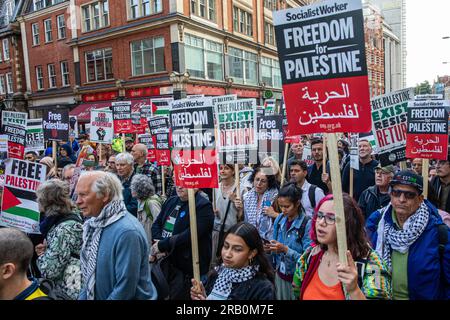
pixel 83 111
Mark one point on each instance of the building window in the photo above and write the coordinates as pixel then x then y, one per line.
pixel 270 4
pixel 48 30
pixel 38 4
pixel 243 66
pixel 65 73
pixel 204 8
pixel 5 49
pixel 269 33
pixel 35 32
pixel 242 21
pixel 99 65
pixel 51 76
pixel 147 56
pixel 95 16
pixel 9 7
pixel 61 26
pixel 142 8
pixel 2 84
pixel 9 82
pixel 39 78
pixel 204 58
pixel 270 72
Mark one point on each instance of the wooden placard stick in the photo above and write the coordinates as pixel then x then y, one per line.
pixel 283 171
pixel 425 169
pixel 123 142
pixel 337 197
pixel 194 238
pixel 54 153
pixel 351 182
pixel 163 178
pixel 236 175
pixel 324 158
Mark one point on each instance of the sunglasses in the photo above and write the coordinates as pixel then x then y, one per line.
pixel 329 218
pixel 408 194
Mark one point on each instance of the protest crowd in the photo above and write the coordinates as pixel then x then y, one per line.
pixel 216 198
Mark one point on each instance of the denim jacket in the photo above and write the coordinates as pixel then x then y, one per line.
pixel 296 246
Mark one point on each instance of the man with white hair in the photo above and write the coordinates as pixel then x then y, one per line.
pixel 114 256
pixel 125 172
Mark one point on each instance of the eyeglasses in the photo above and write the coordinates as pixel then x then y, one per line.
pixel 29 158
pixel 408 194
pixel 329 218
pixel 111 162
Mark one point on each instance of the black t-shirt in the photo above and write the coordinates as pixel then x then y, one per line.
pixel 315 177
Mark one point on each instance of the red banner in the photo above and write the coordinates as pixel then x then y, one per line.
pixel 195 169
pixel 334 105
pixel 163 157
pixel 426 146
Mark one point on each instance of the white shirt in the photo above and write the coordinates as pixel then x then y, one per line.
pixel 306 203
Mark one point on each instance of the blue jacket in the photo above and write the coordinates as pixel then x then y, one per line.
pixel 130 202
pixel 123 271
pixel 427 278
pixel 296 246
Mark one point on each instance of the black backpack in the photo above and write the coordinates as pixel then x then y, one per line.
pixel 312 195
pixel 48 287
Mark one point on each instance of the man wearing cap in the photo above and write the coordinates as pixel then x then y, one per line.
pixel 408 234
pixel 365 176
pixel 377 196
pixel 129 143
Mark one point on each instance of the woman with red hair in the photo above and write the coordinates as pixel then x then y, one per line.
pixel 320 276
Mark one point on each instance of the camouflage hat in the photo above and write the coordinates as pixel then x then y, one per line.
pixel 408 178
pixel 387 169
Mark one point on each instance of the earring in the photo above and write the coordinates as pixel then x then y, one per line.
pixel 251 261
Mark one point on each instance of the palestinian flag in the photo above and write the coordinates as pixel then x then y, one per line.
pixel 160 107
pixel 20 210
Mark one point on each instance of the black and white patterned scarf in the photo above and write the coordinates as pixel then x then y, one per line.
pixel 92 231
pixel 390 238
pixel 226 278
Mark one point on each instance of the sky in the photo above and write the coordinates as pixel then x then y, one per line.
pixel 426 24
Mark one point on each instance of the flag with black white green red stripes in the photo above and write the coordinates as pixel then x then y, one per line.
pixel 19 206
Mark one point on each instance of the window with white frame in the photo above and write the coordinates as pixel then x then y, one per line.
pixel 51 76
pixel 2 84
pixel 243 66
pixel 38 4
pixel 147 56
pixel 205 58
pixel 39 78
pixel 9 9
pixel 5 49
pixel 35 33
pixel 65 73
pixel 242 21
pixel 61 22
pixel 269 33
pixel 99 65
pixel 48 30
pixel 95 16
pixel 270 4
pixel 270 72
pixel 9 82
pixel 204 8
pixel 142 8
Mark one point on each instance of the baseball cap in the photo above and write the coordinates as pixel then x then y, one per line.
pixel 129 139
pixel 387 169
pixel 408 178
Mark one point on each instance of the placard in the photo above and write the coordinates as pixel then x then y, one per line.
pixel 16 141
pixel 19 207
pixel 102 129
pixel 271 138
pixel 427 130
pixel 389 116
pixel 237 128
pixel 121 111
pixel 34 136
pixel 56 125
pixel 321 49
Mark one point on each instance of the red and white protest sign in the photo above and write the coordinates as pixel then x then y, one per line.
pixel 323 66
pixel 194 144
pixel 122 117
pixel 427 130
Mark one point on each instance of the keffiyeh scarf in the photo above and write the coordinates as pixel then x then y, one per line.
pixel 92 231
pixel 254 215
pixel 390 238
pixel 226 278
